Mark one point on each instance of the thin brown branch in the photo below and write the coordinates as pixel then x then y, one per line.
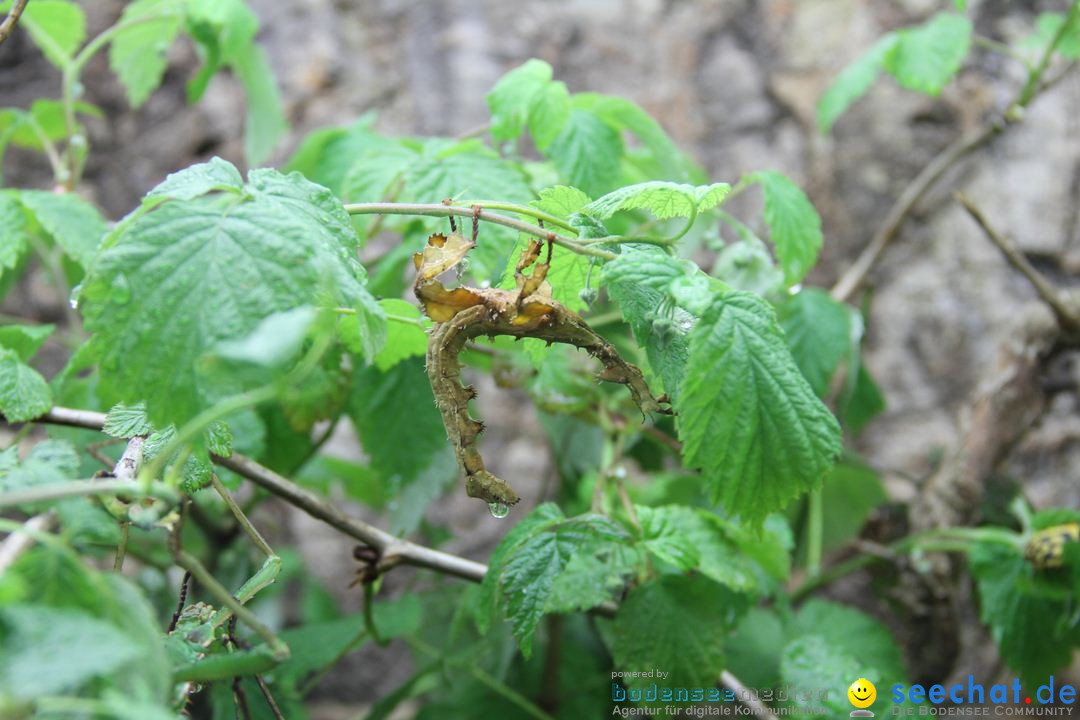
pixel 19 542
pixel 1049 292
pixel 12 18
pixel 393 550
pixel 853 279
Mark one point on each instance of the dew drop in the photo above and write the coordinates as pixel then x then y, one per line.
pixel 73 298
pixel 121 289
pixel 499 510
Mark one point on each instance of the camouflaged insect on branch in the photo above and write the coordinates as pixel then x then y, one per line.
pixel 464 313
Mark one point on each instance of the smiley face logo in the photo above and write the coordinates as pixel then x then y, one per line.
pixel 862 693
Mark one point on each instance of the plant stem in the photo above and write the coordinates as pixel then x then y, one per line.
pixel 82 488
pixel 252 532
pixel 121 547
pixel 519 210
pixel 440 210
pixel 12 18
pixel 815 531
pixel 484 678
pixel 278 650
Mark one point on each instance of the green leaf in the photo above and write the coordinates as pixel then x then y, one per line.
pixel 24 339
pixel 926 57
pixel 73 223
pixel 527 574
pixel 811 662
pixel 1047 26
pixel 364 333
pixel 1029 620
pixel 46 651
pixel 395 414
pixel 125 421
pixel 638 281
pixel 794 224
pixel 543 516
pixel 275 341
pixel 548 113
pixel 663 199
pixel 58 27
pixel 264 122
pixel 665 532
pixel 851 492
pixel 24 394
pixel 405 336
pixel 14 241
pixel 561 200
pixel 155 295
pixel 512 97
pixel 691 538
pixel 587 153
pixel 747 417
pixel 853 82
pixel 667 161
pixel 854 633
pixel 50 461
pixel 677 623
pixel 863 403
pixel 818 331
pixel 754 649
pixel 137 53
pixel 199 179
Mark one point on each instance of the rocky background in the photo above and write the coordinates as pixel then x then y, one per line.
pixel 735 83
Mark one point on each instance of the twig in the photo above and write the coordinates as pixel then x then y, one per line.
pixel 850 282
pixel 1049 293
pixel 393 550
pixel 121 547
pixel 440 210
pixel 268 696
pixel 19 542
pixel 181 602
pixel 81 488
pixel 278 650
pixel 12 18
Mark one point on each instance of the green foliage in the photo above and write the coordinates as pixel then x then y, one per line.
pixel 747 416
pixel 1047 27
pixel 665 200
pixel 284 244
pixel 794 224
pixel 73 223
pixel 58 27
pixel 677 623
pixel 137 53
pixel 821 334
pixel 1029 610
pixel 587 152
pixel 923 58
pixel 24 394
pixel 529 562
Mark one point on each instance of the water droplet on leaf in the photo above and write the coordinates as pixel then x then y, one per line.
pixel 499 510
pixel 73 298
